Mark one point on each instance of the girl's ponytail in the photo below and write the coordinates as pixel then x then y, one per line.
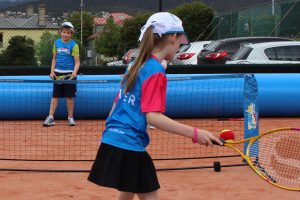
pixel 146 47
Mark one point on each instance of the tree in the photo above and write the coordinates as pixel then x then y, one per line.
pixel 108 41
pixel 87 25
pixel 2 59
pixel 130 32
pixel 45 47
pixel 20 52
pixel 196 17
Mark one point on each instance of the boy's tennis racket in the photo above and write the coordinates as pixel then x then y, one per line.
pixel 64 77
pixel 277 157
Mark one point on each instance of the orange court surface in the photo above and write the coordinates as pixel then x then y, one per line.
pixel 232 183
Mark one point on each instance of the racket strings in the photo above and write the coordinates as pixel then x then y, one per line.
pixel 291 151
pixel 279 157
pixel 263 170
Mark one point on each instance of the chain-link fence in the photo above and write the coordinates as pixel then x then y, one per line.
pixel 275 18
pixel 106 31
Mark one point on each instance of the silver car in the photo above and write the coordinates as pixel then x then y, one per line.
pixel 268 53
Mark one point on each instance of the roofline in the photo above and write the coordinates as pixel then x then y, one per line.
pixel 259 37
pixel 274 44
pixel 202 41
pixel 121 13
pixel 28 28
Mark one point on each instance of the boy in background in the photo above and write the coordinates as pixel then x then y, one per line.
pixel 65 62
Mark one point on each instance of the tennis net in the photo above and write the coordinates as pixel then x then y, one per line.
pixel 212 102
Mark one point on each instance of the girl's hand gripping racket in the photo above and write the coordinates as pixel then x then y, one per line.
pixel 277 155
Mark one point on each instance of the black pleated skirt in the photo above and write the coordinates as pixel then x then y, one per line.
pixel 124 170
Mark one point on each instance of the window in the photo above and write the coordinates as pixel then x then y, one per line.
pixel 242 54
pixel 99 28
pixel 284 53
pixel 212 46
pixel 184 48
pixel 1 40
pixel 288 53
pixel 230 48
pixel 271 54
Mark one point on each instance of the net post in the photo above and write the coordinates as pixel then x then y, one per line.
pixel 251 111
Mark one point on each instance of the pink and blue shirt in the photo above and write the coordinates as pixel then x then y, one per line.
pixel 126 128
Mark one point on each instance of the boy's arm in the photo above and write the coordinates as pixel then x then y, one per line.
pixel 53 64
pixel 52 74
pixel 77 65
pixel 75 54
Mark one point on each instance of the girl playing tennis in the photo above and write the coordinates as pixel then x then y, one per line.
pixel 122 161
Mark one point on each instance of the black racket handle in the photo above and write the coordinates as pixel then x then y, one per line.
pixel 215 143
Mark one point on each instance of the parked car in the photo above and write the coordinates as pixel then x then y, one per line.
pixel 115 63
pixel 268 53
pixel 130 55
pixel 218 52
pixel 187 54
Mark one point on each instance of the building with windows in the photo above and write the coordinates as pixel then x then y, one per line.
pixel 28 24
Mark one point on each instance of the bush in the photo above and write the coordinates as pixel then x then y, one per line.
pixel 20 52
pixel 196 17
pixel 87 25
pixel 130 32
pixel 108 41
pixel 45 47
pixel 2 59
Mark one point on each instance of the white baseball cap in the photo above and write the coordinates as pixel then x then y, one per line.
pixel 67 24
pixel 165 23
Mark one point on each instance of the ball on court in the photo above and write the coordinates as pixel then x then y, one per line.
pixel 227 135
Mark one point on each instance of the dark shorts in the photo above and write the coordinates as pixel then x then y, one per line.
pixel 63 90
pixel 124 170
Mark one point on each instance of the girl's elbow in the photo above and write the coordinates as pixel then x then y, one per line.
pixel 151 116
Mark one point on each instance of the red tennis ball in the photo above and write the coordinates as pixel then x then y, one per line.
pixel 227 135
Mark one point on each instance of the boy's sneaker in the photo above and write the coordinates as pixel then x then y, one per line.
pixel 49 121
pixel 71 121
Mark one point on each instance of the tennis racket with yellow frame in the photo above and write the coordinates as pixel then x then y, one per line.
pixel 277 156
pixel 64 77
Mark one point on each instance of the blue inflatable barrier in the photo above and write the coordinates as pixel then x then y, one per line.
pixel 188 96
pixel 279 95
pixel 30 99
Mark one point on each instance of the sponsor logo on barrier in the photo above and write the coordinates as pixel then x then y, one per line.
pixel 252 117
